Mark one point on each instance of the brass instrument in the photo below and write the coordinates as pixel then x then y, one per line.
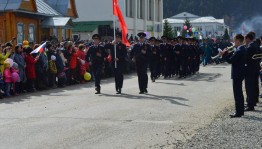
pixel 229 49
pixel 257 56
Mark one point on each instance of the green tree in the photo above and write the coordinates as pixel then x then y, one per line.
pixel 188 31
pixel 168 30
pixel 226 35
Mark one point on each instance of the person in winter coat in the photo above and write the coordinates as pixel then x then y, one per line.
pixel 4 56
pixel 81 63
pixel 72 66
pixel 30 69
pixel 19 59
pixel 52 71
pixel 60 65
pixel 7 78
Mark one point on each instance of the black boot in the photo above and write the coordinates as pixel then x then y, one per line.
pixel 119 91
pixel 97 91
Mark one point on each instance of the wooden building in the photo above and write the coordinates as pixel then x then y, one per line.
pixel 36 20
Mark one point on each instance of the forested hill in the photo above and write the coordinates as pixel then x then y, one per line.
pixel 233 11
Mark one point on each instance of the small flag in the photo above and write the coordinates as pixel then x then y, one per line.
pixel 117 12
pixel 40 49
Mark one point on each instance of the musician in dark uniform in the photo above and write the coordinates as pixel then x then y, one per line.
pixel 140 54
pixel 166 55
pixel 119 62
pixel 253 69
pixel 155 59
pixel 238 61
pixel 179 56
pixel 199 53
pixel 185 58
pixel 191 56
pixel 96 55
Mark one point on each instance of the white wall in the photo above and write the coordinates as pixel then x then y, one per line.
pixel 101 10
pixel 94 10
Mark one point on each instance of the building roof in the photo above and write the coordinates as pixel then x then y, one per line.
pixel 57 22
pixel 9 4
pixel 208 19
pixel 44 8
pixel 184 15
pixel 89 26
pixel 59 5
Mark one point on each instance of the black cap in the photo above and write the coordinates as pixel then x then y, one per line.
pixel 96 36
pixel 164 37
pixel 8 44
pixel 141 35
pixel 152 38
pixel 118 35
pixel 180 38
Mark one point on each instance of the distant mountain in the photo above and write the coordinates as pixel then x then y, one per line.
pixel 233 11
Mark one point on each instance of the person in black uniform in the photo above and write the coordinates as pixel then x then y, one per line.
pixel 166 54
pixel 119 62
pixel 155 59
pixel 140 54
pixel 185 58
pixel 179 56
pixel 238 61
pixel 253 69
pixel 96 55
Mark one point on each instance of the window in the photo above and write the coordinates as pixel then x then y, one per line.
pixel 177 28
pixel 69 5
pixel 20 32
pixel 55 32
pixel 159 10
pixel 31 33
pixel 127 8
pixel 150 10
pixel 64 34
pixel 140 9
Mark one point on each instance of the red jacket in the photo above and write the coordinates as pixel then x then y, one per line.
pixel 73 61
pixel 30 67
pixel 81 54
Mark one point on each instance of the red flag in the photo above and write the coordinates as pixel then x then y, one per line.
pixel 117 12
pixel 115 3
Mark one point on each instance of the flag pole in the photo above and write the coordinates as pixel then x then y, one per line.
pixel 114 19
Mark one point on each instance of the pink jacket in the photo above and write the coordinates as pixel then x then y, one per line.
pixel 7 75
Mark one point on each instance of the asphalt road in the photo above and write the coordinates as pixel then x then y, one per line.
pixel 74 117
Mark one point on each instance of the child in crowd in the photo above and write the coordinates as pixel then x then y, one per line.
pixel 8 76
pixel 52 71
pixel 1 85
pixel 15 78
pixel 73 66
pixel 81 64
pixel 60 65
pixel 30 61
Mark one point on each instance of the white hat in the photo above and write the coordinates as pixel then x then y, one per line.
pixel 53 58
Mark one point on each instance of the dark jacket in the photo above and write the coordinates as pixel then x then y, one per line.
pixel 238 61
pixel 253 65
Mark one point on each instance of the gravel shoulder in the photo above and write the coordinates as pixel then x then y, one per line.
pixel 224 132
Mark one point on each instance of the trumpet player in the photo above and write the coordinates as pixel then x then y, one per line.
pixel 253 68
pixel 237 59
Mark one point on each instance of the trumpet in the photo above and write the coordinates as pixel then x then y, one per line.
pixel 229 49
pixel 257 56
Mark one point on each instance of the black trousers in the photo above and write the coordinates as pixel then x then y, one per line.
pixel 142 77
pixel 166 68
pixel 119 77
pixel 238 95
pixel 97 70
pixel 252 90
pixel 153 69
